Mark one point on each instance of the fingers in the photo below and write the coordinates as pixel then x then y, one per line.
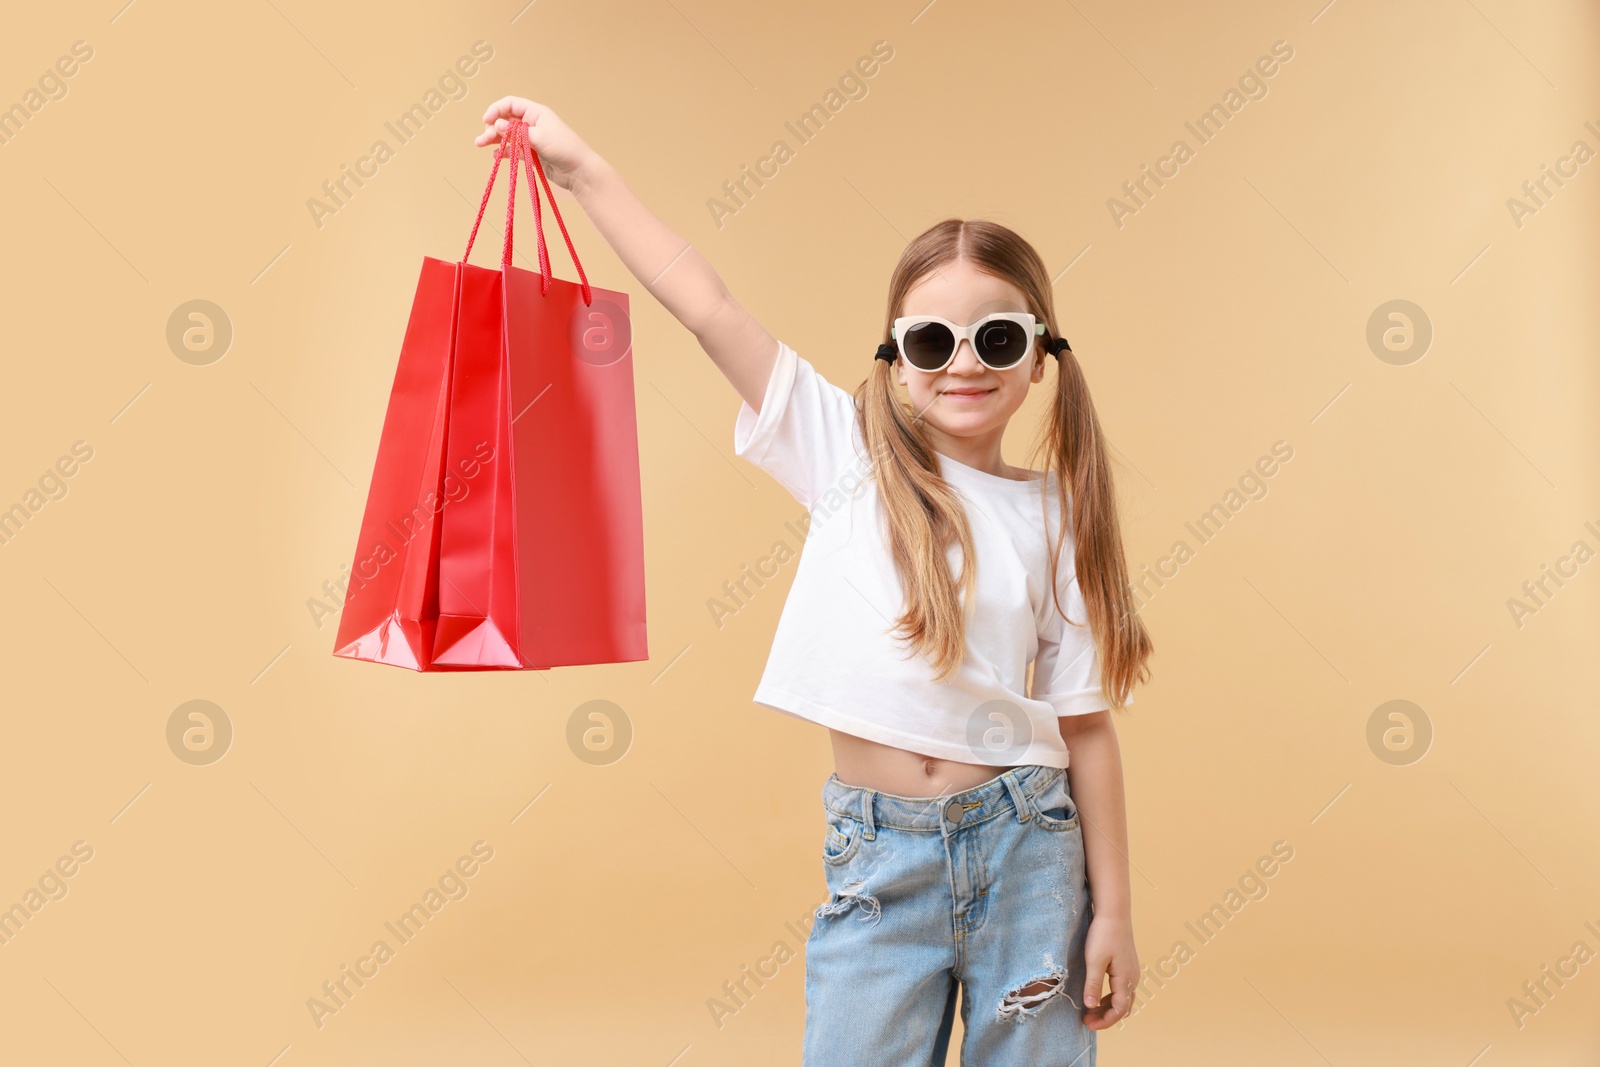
pixel 498 116
pixel 1121 996
pixel 492 134
pixel 510 107
pixel 1112 1010
pixel 1122 992
pixel 507 107
pixel 496 120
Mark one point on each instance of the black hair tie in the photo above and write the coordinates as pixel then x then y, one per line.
pixel 887 353
pixel 1057 346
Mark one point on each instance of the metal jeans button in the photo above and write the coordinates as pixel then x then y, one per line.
pixel 953 811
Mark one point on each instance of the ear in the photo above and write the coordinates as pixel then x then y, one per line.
pixel 1038 371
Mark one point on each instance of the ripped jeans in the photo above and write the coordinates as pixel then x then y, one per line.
pixel 983 889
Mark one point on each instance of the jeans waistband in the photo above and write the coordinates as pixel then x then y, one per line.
pixel 1006 793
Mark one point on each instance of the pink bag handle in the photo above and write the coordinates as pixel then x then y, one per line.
pixel 517 144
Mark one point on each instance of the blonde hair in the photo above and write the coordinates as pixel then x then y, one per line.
pixel 924 515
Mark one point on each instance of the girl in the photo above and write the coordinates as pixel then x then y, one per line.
pixel 932 574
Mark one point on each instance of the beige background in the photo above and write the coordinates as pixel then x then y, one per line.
pixel 1229 313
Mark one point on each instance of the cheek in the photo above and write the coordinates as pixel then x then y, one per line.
pixel 1011 398
pixel 916 387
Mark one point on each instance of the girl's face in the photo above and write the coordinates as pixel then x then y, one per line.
pixel 967 399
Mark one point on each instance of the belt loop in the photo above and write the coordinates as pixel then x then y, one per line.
pixel 870 828
pixel 1018 797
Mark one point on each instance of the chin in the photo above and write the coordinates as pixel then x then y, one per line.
pixel 966 425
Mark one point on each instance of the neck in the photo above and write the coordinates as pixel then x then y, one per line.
pixel 981 451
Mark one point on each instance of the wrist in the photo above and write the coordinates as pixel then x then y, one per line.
pixel 588 174
pixel 1112 910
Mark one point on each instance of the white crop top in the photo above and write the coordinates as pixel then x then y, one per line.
pixel 833 659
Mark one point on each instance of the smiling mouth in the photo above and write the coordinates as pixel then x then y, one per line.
pixel 967 394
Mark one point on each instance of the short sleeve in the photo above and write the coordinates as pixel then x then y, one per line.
pixel 1066 669
pixel 804 434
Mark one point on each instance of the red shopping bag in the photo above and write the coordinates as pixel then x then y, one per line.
pixel 504 527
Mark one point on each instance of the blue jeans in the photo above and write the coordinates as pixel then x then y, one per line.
pixel 983 889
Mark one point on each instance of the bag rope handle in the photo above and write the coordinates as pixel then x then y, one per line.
pixel 499 154
pixel 517 144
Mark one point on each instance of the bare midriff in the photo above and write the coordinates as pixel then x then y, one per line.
pixel 887 769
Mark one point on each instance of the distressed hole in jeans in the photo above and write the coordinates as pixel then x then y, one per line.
pixel 1031 997
pixel 853 892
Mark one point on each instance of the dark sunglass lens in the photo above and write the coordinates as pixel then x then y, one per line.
pixel 1001 342
pixel 928 345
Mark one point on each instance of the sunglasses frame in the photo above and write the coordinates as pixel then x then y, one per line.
pixel 968 333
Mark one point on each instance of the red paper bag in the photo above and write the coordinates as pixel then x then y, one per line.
pixel 504 527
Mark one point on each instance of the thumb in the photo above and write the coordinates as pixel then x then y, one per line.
pixel 1096 979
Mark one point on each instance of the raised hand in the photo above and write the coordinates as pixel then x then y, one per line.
pixel 562 152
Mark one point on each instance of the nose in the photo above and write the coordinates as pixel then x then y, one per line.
pixel 966 361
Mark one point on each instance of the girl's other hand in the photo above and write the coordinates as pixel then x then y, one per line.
pixel 1109 953
pixel 562 153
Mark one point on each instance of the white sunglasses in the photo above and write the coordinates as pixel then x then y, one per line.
pixel 1001 341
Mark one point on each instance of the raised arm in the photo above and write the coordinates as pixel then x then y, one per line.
pixel 668 267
